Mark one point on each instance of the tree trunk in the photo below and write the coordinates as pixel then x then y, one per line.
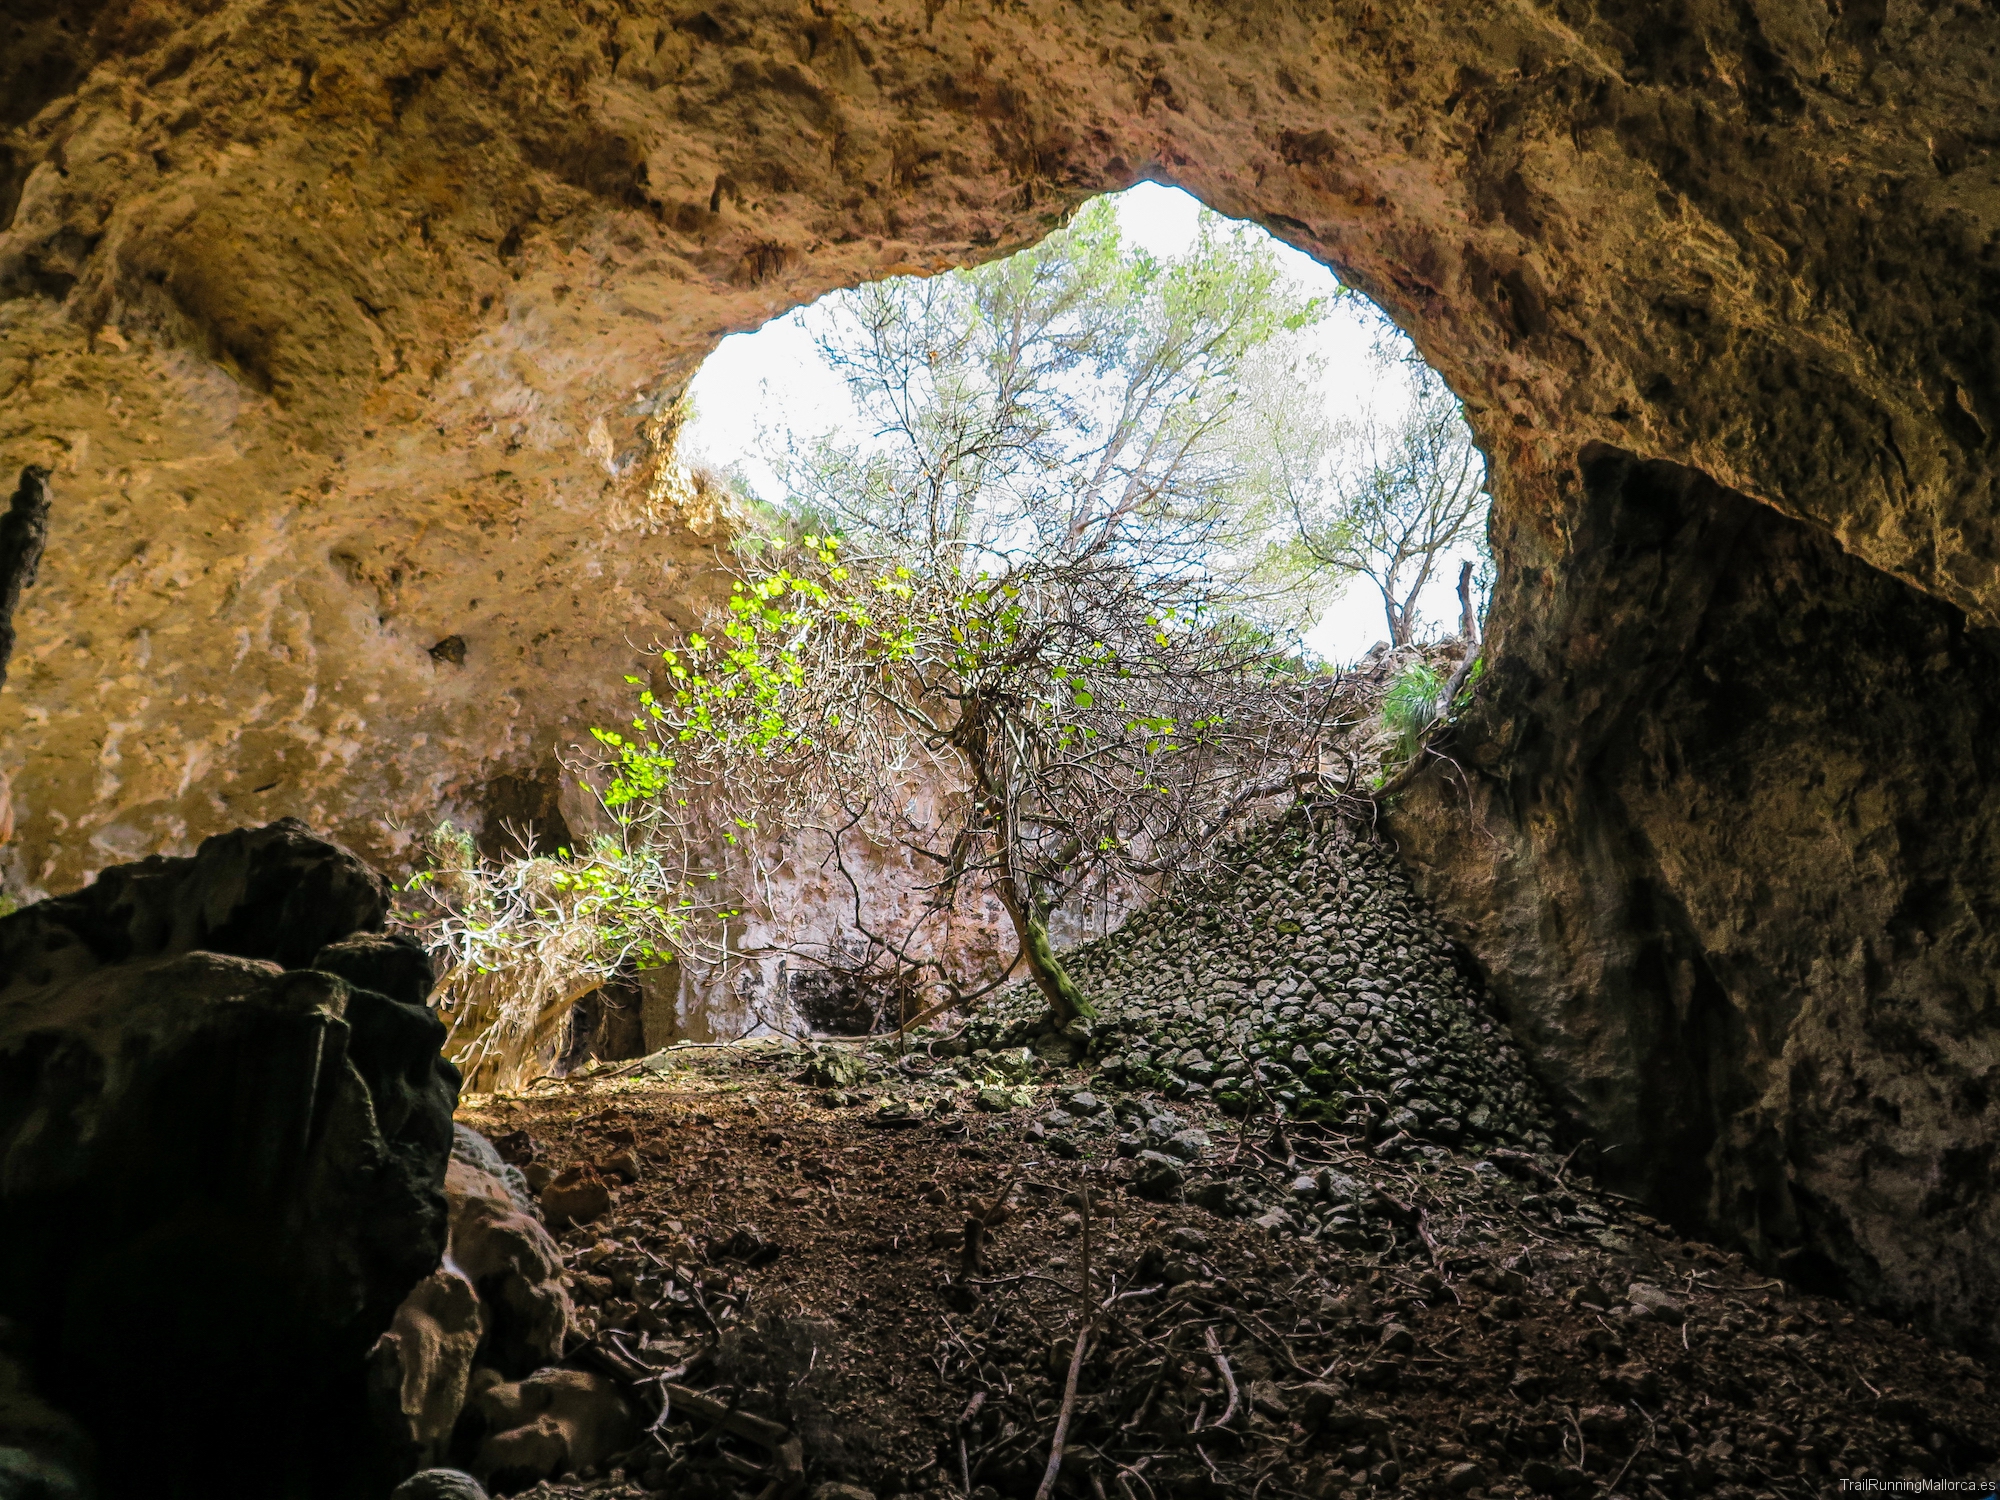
pixel 1031 929
pixel 1066 1001
pixel 1468 621
pixel 1398 616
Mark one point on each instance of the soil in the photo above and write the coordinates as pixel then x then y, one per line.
pixel 1487 1325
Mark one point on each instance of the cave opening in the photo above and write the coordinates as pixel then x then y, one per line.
pixel 351 342
pixel 762 396
pixel 1251 417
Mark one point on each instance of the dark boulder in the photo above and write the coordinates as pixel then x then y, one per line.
pixel 276 892
pixel 225 1125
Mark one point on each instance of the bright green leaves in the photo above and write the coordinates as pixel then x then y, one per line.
pixel 1410 706
pixel 621 897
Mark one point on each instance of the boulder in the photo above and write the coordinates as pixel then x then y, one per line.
pixel 516 1267
pixel 496 1301
pixel 225 1166
pixel 836 1067
pixel 576 1196
pixel 1156 1176
pixel 554 1422
pixel 277 893
pixel 424 1363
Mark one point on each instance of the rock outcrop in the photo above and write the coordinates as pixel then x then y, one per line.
pixel 1727 846
pixel 224 1160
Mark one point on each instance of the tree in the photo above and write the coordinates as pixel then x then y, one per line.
pixel 1031 590
pixel 1386 496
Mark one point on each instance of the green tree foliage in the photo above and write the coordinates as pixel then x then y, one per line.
pixel 1386 495
pixel 1029 643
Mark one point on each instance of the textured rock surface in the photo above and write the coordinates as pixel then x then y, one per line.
pixel 553 1422
pixel 351 332
pixel 1729 853
pixel 217 1161
pixel 496 1300
pixel 352 336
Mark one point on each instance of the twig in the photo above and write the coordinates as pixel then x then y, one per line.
pixel 1075 1366
pixel 1424 1233
pixel 965 1420
pixel 1063 1418
pixel 1211 1466
pixel 1228 1377
pixel 1582 1448
pixel 976 1228
pixel 1652 1433
pixel 1563 1166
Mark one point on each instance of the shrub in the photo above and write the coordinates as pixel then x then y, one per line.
pixel 1409 707
pixel 518 942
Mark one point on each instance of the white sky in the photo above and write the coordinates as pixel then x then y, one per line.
pixel 774 378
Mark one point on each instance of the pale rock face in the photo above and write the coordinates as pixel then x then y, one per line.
pixel 351 330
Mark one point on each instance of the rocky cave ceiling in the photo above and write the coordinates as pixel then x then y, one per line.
pixel 349 329
pixel 353 329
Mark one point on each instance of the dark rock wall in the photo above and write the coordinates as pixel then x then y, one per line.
pixel 224 1128
pixel 1728 848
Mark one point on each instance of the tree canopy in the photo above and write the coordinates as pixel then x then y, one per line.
pixel 1034 583
pixel 1386 494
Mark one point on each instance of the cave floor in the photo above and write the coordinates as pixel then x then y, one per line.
pixel 797 1251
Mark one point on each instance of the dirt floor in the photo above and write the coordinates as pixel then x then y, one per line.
pixel 1479 1326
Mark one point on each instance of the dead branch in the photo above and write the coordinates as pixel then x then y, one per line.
pixel 1228 1376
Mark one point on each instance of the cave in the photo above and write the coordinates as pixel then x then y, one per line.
pixel 352 338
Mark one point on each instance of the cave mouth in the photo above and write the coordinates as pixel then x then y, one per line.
pixel 351 342
pixel 1342 394
pixel 763 393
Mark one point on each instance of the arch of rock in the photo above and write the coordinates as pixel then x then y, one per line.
pixel 352 328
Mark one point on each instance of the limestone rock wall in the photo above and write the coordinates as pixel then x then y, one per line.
pixel 1727 846
pixel 352 332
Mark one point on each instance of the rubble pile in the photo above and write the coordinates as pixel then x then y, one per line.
pixel 1304 971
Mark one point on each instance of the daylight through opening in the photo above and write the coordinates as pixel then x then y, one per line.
pixel 1048 578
